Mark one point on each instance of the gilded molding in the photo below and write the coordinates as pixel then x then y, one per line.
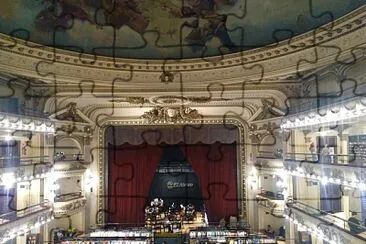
pixel 171 114
pixel 242 195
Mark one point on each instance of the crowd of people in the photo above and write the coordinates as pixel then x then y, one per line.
pixel 157 211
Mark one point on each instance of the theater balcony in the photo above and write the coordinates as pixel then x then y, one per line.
pixel 68 204
pixel 19 122
pixel 338 169
pixel 329 227
pixel 27 169
pixel 271 203
pixel 22 221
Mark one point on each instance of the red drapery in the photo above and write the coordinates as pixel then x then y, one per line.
pixel 131 169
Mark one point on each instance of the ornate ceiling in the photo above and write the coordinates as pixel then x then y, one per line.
pixel 336 41
pixel 156 29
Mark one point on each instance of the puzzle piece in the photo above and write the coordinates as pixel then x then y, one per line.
pixel 178 30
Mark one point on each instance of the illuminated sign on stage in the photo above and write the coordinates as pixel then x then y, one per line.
pixel 172 185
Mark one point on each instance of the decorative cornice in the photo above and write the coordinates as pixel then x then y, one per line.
pixel 46 63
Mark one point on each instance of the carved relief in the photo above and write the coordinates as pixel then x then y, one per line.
pixel 171 114
pixel 72 206
pixel 71 114
pixel 166 77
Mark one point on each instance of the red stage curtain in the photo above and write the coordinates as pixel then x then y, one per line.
pixel 131 169
pixel 216 167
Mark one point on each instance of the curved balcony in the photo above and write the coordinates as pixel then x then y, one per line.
pixel 337 169
pixel 11 162
pixel 333 228
pixel 17 122
pixel 21 221
pixel 68 204
pixel 31 168
pixel 275 204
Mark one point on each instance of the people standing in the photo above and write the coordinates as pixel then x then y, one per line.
pixel 312 150
pixel 325 154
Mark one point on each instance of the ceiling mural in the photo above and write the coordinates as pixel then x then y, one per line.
pixel 165 29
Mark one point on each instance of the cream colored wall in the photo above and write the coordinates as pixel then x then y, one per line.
pixel 69 185
pixel 308 193
pixel 68 146
pixel 268 183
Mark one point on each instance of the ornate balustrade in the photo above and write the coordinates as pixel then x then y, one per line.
pixel 274 206
pixel 351 175
pixel 325 226
pixel 68 206
pixel 19 222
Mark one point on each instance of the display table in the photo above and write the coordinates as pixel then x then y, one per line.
pixel 105 236
pixel 218 235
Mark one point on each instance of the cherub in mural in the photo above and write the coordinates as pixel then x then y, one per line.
pixel 214 25
pixel 117 13
pixel 59 13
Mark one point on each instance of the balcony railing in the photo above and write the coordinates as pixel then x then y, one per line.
pixel 274 204
pixel 351 159
pixel 69 196
pixel 16 215
pixel 22 221
pixel 351 175
pixel 328 226
pixel 68 203
pixel 61 157
pixel 6 162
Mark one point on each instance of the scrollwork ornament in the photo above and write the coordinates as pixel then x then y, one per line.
pixel 171 114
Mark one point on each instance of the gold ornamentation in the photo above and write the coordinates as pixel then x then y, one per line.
pixel 242 205
pixel 171 114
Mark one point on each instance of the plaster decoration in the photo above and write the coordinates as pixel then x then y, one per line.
pixel 275 60
pixel 69 207
pixel 241 125
pixel 276 207
pixel 344 112
pixel 16 122
pixel 325 229
pixel 166 77
pixel 70 114
pixel 171 114
pixel 268 110
pixel 11 229
pixel 169 100
pixel 349 175
pixel 24 173
pixel 258 132
pixel 131 100
pixel 200 99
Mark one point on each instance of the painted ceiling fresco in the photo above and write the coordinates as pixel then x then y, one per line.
pixel 164 29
